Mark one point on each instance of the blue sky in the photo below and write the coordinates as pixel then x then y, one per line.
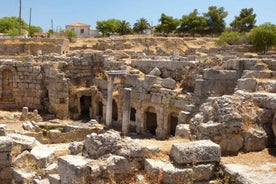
pixel 89 11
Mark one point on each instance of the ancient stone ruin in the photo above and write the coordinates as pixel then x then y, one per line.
pixel 82 113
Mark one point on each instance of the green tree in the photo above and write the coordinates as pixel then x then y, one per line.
pixel 193 23
pixel 10 25
pixel 141 26
pixel 215 18
pixel 108 26
pixel 34 29
pixel 124 28
pixel 263 37
pixel 168 24
pixel 245 21
pixel 71 34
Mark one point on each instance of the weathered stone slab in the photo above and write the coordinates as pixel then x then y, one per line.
pixel 118 165
pixel 204 172
pixel 97 145
pixel 195 152
pixel 73 169
pixel 43 155
pixel 168 83
pixel 21 176
pixel 54 179
pixel 255 140
pixel 161 172
pixel 26 142
pixel 183 131
pixel 5 144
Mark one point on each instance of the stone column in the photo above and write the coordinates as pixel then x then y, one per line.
pixel 126 110
pixel 109 102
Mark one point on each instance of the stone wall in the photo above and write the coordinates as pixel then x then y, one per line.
pixel 33 46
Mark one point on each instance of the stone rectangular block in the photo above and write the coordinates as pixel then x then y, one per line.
pixel 195 152
pixel 5 144
pixel 73 169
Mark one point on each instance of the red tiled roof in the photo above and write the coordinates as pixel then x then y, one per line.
pixel 78 24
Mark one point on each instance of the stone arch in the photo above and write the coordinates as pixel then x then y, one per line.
pixel 7 78
pixel 151 120
pixel 98 106
pixel 172 123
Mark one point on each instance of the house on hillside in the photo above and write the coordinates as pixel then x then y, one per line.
pixel 82 30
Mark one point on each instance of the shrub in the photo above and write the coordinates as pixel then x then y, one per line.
pixel 231 38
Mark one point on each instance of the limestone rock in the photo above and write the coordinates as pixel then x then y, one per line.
pixel 43 181
pixel 231 144
pixel 248 84
pixel 54 179
pixel 118 165
pixel 97 145
pixel 195 152
pixel 76 148
pixel 43 155
pixel 5 144
pixel 3 130
pixel 21 176
pixel 183 131
pixel 155 72
pixel 204 172
pixel 25 142
pixel 255 140
pixel 168 83
pixel 73 169
pixel 161 172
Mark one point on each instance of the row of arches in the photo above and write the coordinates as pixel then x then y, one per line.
pixel 148 117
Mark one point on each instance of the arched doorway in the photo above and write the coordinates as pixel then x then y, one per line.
pixel 7 86
pixel 133 120
pixel 172 123
pixel 151 120
pixel 85 103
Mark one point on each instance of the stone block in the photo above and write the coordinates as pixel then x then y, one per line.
pixel 6 173
pixel 5 159
pixel 161 172
pixel 255 140
pixel 118 165
pixel 5 144
pixel 21 176
pixel 203 172
pixel 76 148
pixel 73 169
pixel 168 83
pixel 43 181
pixel 177 175
pixel 183 131
pixel 97 145
pixel 184 117
pixel 43 155
pixel 25 142
pixel 155 72
pixel 2 131
pixel 195 152
pixel 156 98
pixel 213 74
pixel 248 84
pixel 54 179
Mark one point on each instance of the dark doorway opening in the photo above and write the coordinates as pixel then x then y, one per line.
pixel 173 120
pixel 151 122
pixel 132 114
pixel 85 103
pixel 114 111
pixel 100 109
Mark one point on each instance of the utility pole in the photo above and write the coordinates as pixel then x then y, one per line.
pixel 20 21
pixel 30 21
pixel 52 24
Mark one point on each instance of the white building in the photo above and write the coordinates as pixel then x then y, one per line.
pixel 82 30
